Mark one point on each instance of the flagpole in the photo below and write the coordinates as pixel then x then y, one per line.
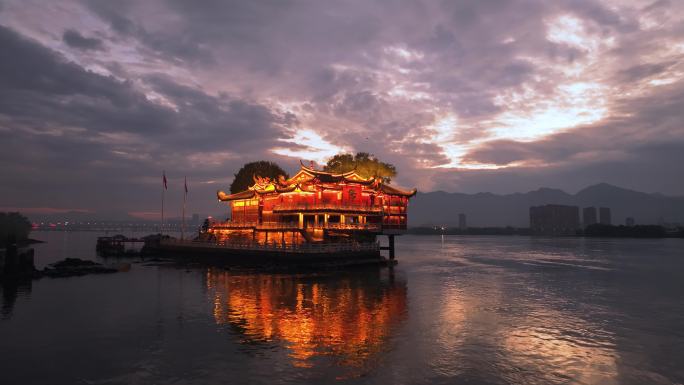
pixel 185 197
pixel 161 229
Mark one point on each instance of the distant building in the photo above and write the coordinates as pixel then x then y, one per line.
pixel 589 216
pixel 462 221
pixel 629 221
pixel 554 220
pixel 195 219
pixel 604 216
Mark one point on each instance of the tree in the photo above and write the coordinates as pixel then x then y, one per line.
pixel 365 164
pixel 13 226
pixel 244 177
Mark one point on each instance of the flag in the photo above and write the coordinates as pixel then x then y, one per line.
pixel 164 179
pixel 186 184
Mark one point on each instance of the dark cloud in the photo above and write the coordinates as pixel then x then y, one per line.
pixel 74 39
pixel 64 126
pixel 169 44
pixel 641 71
pixel 200 89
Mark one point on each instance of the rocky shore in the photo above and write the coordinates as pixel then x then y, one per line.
pixel 72 267
pixel 18 263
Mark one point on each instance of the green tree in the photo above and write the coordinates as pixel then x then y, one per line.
pixel 13 226
pixel 244 177
pixel 365 164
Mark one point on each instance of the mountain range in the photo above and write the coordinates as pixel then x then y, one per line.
pixel 440 208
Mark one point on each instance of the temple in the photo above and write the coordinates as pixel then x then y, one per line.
pixel 313 207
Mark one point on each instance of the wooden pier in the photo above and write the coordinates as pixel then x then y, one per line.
pixel 117 245
pixel 287 255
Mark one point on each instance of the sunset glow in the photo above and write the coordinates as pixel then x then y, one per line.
pixel 457 96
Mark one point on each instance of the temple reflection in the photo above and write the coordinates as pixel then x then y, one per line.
pixel 348 317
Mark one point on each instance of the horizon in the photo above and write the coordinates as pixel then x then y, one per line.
pixel 48 214
pixel 99 99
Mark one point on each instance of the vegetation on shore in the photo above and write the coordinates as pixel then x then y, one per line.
pixel 14 227
pixel 437 230
pixel 638 231
pixel 597 230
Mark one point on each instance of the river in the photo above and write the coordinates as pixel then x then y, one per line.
pixel 456 309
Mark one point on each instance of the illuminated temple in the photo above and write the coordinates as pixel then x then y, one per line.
pixel 313 207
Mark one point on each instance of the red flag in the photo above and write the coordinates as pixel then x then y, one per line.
pixel 164 178
pixel 186 184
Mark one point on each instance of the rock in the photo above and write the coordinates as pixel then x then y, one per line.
pixel 71 267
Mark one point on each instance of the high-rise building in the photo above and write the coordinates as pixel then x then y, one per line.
pixel 604 216
pixel 554 220
pixel 195 219
pixel 629 221
pixel 589 216
pixel 462 221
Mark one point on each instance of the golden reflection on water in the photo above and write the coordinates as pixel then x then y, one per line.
pixel 346 316
pixel 559 344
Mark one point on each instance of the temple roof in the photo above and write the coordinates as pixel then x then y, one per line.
pixel 247 194
pixel 387 189
pixel 307 176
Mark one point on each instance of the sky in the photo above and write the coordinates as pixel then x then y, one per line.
pixel 97 98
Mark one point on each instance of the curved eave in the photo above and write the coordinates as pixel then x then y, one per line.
pixel 285 189
pixel 357 179
pixel 397 191
pixel 223 197
pixel 324 176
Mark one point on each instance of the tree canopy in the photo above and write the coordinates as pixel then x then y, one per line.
pixel 13 226
pixel 244 177
pixel 365 164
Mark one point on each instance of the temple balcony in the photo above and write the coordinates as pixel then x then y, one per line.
pixel 291 226
pixel 326 207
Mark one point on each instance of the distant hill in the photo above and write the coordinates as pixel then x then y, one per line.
pixel 487 209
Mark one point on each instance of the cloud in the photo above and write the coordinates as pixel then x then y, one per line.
pixel 62 125
pixel 460 95
pixel 74 39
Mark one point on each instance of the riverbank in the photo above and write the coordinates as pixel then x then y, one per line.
pixel 593 231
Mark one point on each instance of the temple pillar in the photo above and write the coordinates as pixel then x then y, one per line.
pixel 301 220
pixel 390 238
pixel 341 219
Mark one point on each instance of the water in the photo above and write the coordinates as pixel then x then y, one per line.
pixel 468 310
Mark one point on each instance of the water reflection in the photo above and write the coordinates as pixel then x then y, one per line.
pixel 348 317
pixel 11 289
pixel 559 346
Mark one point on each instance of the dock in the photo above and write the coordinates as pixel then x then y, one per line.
pixel 273 254
pixel 118 245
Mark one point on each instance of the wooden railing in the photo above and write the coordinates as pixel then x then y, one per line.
pixel 295 225
pixel 319 206
pixel 351 226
